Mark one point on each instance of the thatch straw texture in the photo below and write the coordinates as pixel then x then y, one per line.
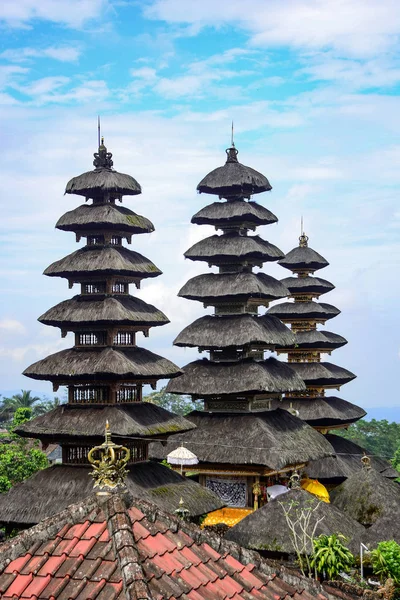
pixel 102 364
pixel 234 179
pixel 274 439
pixel 92 217
pixel 367 496
pixel 220 286
pixel 267 527
pixel 384 529
pixel 101 181
pixel 319 339
pixel 233 247
pixel 214 332
pixel 48 492
pixel 305 258
pixel 74 422
pixel 328 411
pixel 234 212
pixel 307 285
pixel 106 260
pixel 304 311
pixel 121 310
pixel 346 463
pixel 203 378
pixel 322 373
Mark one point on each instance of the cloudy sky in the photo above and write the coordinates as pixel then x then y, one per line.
pixel 312 87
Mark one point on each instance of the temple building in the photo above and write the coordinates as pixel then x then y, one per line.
pixel 241 444
pixel 324 412
pixel 106 370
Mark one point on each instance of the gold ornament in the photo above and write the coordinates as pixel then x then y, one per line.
pixel 108 462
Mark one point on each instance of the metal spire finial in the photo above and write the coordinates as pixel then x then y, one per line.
pixel 232 142
pixel 98 130
pixel 366 462
pixel 303 239
pixel 109 461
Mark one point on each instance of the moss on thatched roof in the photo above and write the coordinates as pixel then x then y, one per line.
pixel 234 212
pixel 75 422
pixel 267 528
pixel 203 378
pixel 92 217
pixel 367 496
pixel 319 339
pixel 103 181
pixel 102 364
pixel 303 258
pixel 298 311
pixel 48 492
pixel 232 247
pixel 214 332
pixel 308 285
pixel 322 412
pixel 234 180
pixel 323 373
pixel 220 286
pixel 274 439
pixel 105 260
pixel 121 310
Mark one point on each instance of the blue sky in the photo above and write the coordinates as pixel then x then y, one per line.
pixel 312 87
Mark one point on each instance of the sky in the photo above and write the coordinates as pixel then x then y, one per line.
pixel 312 87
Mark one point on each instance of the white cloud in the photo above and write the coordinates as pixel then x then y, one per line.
pixel 70 13
pixel 60 53
pixel 12 326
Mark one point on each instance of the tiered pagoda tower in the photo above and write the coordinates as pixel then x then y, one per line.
pixel 325 413
pixel 240 443
pixel 106 370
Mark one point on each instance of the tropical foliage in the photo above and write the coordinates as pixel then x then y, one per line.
pixel 25 399
pixel 377 437
pixel 330 556
pixel 180 405
pixel 385 561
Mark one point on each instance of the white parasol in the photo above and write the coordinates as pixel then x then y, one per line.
pixel 182 456
pixel 276 490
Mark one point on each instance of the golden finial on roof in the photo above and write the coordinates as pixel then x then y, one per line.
pixel 303 239
pixel 109 462
pixel 294 480
pixel 181 511
pixel 366 462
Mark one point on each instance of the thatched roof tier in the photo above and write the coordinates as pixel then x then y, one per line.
pixel 307 285
pixel 324 412
pixel 304 311
pixel 101 181
pixel 203 378
pixel 274 439
pixel 74 422
pixel 346 463
pixel 225 286
pixel 48 492
pixel 105 260
pixel 234 179
pixel 384 529
pixel 234 248
pixel 117 310
pixel 267 527
pixel 303 258
pixel 92 217
pixel 367 496
pixel 323 374
pixel 321 340
pixel 213 332
pixel 76 365
pixel 234 212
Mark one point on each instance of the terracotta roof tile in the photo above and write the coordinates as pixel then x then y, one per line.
pixel 18 586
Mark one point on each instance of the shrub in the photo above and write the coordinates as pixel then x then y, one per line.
pixel 331 556
pixel 385 561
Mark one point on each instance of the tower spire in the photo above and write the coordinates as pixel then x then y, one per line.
pixel 232 142
pixel 98 131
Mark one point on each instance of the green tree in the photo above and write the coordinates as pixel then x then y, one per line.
pixel 331 556
pixel 385 561
pixel 22 400
pixel 377 437
pixel 180 405
pixel 18 458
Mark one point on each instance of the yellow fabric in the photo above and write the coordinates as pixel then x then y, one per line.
pixel 316 488
pixel 228 516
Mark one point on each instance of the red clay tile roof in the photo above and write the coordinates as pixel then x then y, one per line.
pixel 108 552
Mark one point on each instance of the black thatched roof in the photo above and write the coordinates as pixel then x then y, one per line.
pixel 234 212
pixel 328 411
pixel 220 286
pixel 346 463
pixel 48 492
pixel 300 311
pixel 366 496
pixel 234 179
pixel 232 247
pixel 322 373
pixel 88 311
pixel 103 181
pixel 308 285
pixel 74 422
pixel 267 528
pixel 203 378
pixel 319 339
pixel 384 529
pixel 105 260
pixel 214 332
pixel 303 258
pixel 102 364
pixel 92 217
pixel 274 439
